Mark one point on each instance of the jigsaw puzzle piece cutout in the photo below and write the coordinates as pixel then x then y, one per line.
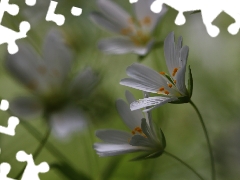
pixel 9 36
pixel 76 11
pixel 4 170
pixel 4 105
pixel 30 2
pixel 12 9
pixel 12 124
pixel 31 171
pixel 59 19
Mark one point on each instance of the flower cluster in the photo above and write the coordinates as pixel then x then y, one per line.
pixel 54 96
pixel 143 135
pixel 171 88
pixel 136 32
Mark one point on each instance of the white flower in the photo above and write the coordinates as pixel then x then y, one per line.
pixel 171 88
pixel 143 135
pixel 54 95
pixel 135 32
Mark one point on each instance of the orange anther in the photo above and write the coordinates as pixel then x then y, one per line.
pixel 161 89
pixel 125 31
pixel 138 129
pixel 166 92
pixel 147 20
pixel 175 81
pixel 162 73
pixel 133 132
pixel 174 71
pixel 170 85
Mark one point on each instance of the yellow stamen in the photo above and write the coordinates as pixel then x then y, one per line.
pixel 162 73
pixel 147 20
pixel 133 132
pixel 126 31
pixel 175 81
pixel 170 85
pixel 161 89
pixel 138 129
pixel 166 92
pixel 174 71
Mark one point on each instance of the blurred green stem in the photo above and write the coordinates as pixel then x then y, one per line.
pixel 37 151
pixel 207 138
pixel 51 148
pixel 185 164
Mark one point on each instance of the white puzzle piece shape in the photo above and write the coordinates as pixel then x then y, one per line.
pixel 7 35
pixel 209 9
pixel 12 124
pixel 4 170
pixel 31 171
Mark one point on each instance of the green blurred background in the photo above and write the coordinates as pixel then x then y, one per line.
pixel 215 68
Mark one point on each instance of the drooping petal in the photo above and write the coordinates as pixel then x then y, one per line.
pixel 122 46
pixel 130 98
pixel 67 121
pixel 151 101
pixel 145 77
pixel 83 83
pixel 105 23
pixel 114 12
pixel 145 16
pixel 130 118
pixel 57 56
pixel 26 107
pixel 27 67
pixel 180 75
pixel 105 149
pixel 113 136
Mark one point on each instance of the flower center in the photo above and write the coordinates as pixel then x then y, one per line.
pixel 135 31
pixel 138 130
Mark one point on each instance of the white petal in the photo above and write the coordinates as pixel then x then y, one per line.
pixel 146 76
pixel 104 149
pixel 122 46
pixel 113 136
pixel 25 66
pixel 26 107
pixel 143 11
pixel 67 121
pixel 83 83
pixel 130 98
pixel 130 118
pixel 151 101
pixel 180 75
pixel 57 57
pixel 114 12
pixel 102 21
pixel 170 53
pixel 140 85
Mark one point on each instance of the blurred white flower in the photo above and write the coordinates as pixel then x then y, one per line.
pixel 143 135
pixel 135 32
pixel 54 95
pixel 171 88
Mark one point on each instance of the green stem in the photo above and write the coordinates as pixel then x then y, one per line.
pixel 51 148
pixel 37 151
pixel 185 164
pixel 207 138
